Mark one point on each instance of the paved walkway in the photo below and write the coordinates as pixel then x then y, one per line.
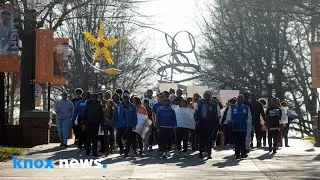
pixel 300 161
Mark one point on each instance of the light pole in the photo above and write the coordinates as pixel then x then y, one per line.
pixel 96 72
pixel 270 87
pixel 103 88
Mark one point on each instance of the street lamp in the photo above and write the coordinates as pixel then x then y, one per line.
pixel 270 83
pixel 96 72
pixel 103 88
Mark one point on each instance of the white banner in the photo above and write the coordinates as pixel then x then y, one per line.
pixel 143 125
pixel 226 95
pixel 185 118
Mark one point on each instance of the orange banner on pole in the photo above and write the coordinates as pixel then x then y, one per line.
pixel 44 59
pixel 60 55
pixel 315 66
pixel 9 39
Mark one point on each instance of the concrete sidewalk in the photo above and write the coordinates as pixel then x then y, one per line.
pixel 300 161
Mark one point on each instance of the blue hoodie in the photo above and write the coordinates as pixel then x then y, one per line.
pixel 166 118
pixel 128 112
pixel 78 111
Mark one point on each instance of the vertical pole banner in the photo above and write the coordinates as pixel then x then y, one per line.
pixel 315 66
pixel 60 57
pixel 9 39
pixel 44 59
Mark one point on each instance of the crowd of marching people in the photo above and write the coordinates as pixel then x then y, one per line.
pixel 128 122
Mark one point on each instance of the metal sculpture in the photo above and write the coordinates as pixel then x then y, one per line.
pixel 177 60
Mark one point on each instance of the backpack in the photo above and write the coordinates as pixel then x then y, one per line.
pixel 290 116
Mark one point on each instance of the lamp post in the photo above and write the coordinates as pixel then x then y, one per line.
pixel 270 84
pixel 96 72
pixel 103 88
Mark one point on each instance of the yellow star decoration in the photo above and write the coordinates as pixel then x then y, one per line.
pixel 101 45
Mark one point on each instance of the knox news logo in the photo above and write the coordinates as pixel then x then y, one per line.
pixel 62 163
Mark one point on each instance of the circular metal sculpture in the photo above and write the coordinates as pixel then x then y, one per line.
pixel 177 60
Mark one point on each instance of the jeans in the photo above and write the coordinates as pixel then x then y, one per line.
pixel 240 143
pixel 272 136
pixel 63 129
pixel 165 135
pixel 147 140
pixel 182 135
pixel 285 134
pixel 92 136
pixel 130 138
pixel 257 129
pixel 80 135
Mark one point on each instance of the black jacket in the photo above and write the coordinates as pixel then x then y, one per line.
pixel 207 113
pixel 256 111
pixel 273 116
pixel 93 113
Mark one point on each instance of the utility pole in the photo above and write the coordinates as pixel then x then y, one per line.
pixel 27 85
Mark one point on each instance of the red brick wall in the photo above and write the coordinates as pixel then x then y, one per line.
pixel 14 135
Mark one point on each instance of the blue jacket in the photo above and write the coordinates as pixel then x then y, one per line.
pixel 128 112
pixel 240 116
pixel 166 118
pixel 79 109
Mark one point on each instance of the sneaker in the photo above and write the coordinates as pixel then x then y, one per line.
pixel 121 151
pixel 237 158
pixel 287 145
pixel 65 145
pixel 274 151
pixel 201 155
pixel 244 156
pixel 209 157
pixel 270 149
pixel 61 144
pixel 140 153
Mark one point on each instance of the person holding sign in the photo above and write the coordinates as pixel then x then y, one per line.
pixel 166 123
pixel 185 122
pixel 143 126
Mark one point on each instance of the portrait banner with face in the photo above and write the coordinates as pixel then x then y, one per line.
pixel 60 54
pixel 9 39
pixel 315 59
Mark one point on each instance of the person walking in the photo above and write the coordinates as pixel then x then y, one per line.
pixel 141 111
pixel 249 137
pixel 166 122
pixel 207 115
pixel 149 141
pixel 285 122
pixel 258 115
pixel 195 133
pixel 93 117
pixel 263 125
pixel 74 101
pixel 273 117
pixel 226 125
pixel 77 120
pixel 240 116
pixel 125 121
pixel 64 110
pixel 109 111
pixel 184 125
